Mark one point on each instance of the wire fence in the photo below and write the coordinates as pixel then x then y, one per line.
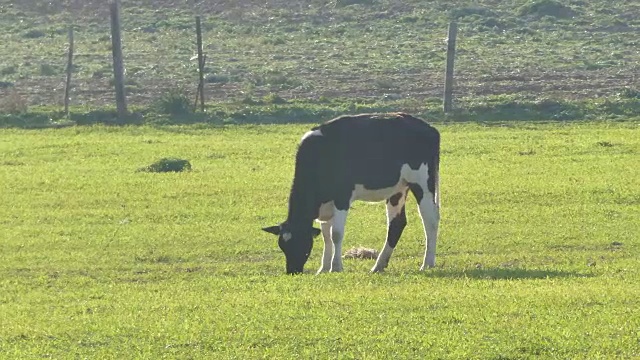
pixel 296 53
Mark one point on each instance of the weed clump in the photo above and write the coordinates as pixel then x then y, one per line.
pixel 48 70
pixel 174 102
pixel 471 11
pixel 273 98
pixel 479 18
pixel 13 103
pixel 216 79
pixel 167 165
pixel 9 70
pixel 34 34
pixel 248 100
pixel 342 3
pixel 629 93
pixel 541 8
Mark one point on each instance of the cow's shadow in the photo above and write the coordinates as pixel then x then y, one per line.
pixel 503 274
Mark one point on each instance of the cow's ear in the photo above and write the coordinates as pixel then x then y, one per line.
pixel 275 230
pixel 315 232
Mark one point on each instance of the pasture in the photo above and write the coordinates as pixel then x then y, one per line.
pixel 537 257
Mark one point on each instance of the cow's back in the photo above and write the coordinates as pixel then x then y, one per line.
pixel 366 139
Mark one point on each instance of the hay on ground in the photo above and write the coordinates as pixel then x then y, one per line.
pixel 361 253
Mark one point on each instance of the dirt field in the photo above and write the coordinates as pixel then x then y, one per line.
pixel 590 58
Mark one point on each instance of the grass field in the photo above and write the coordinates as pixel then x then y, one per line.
pixel 537 256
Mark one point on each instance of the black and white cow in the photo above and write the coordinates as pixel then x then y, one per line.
pixel 370 157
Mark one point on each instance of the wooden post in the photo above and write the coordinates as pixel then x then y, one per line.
pixel 67 86
pixel 118 65
pixel 200 92
pixel 448 80
pixel 201 61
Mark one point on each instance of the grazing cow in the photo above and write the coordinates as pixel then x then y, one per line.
pixel 370 157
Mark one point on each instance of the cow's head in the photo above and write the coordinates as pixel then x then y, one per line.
pixel 296 243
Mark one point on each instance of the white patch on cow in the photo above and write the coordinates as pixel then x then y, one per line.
pixel 407 175
pixel 375 195
pixel 327 253
pixel 311 133
pixel 419 176
pixel 325 217
pixel 286 236
pixel 337 234
pixel 430 215
pixel 383 259
pixel 325 213
pixel 393 211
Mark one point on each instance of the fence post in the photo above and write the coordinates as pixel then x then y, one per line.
pixel 201 61
pixel 447 104
pixel 118 66
pixel 67 86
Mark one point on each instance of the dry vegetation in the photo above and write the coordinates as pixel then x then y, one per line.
pixel 384 49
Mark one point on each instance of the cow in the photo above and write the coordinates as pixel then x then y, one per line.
pixel 368 157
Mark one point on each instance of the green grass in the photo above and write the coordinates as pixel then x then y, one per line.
pixel 537 256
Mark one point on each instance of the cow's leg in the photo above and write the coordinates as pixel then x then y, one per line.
pixel 430 215
pixel 396 222
pixel 337 234
pixel 327 253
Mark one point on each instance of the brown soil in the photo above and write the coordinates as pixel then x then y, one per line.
pixel 568 84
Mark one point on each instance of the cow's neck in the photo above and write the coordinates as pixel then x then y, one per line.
pixel 302 200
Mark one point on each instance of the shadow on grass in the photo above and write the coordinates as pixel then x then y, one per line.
pixel 504 274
